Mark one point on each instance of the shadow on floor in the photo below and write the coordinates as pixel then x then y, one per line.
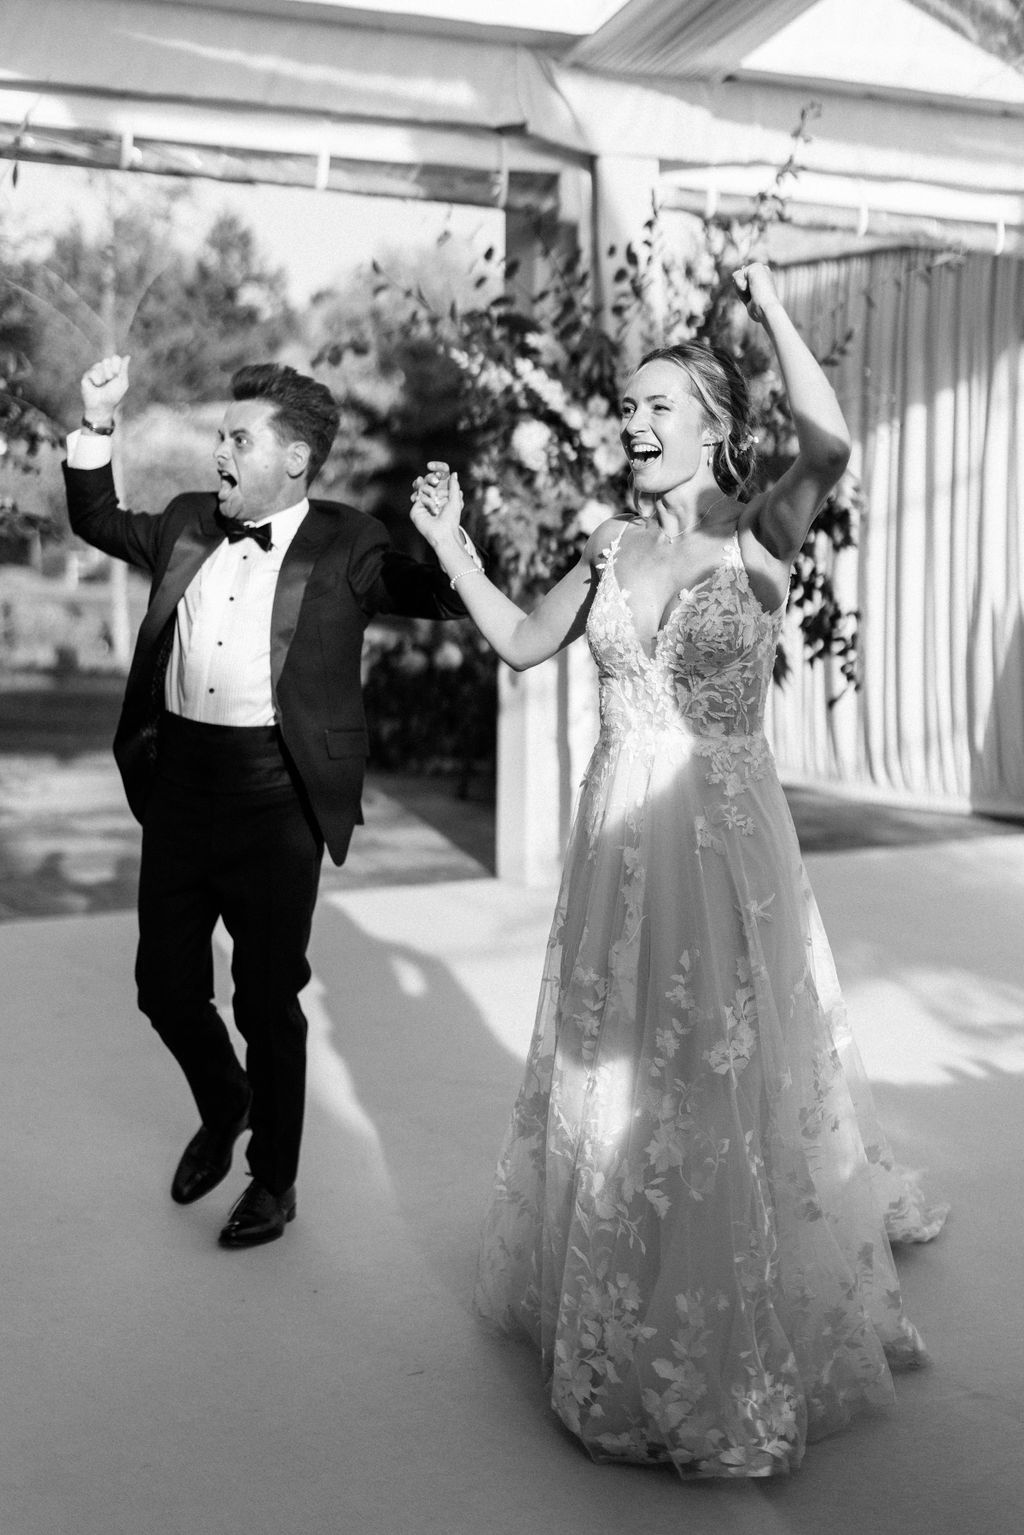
pixel 69 846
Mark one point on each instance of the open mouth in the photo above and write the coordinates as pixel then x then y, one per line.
pixel 227 482
pixel 643 453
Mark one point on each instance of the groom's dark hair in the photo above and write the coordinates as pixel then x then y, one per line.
pixel 305 411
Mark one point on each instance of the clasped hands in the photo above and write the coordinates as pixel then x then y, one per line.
pixel 437 504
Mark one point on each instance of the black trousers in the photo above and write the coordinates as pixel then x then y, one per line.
pixel 227 834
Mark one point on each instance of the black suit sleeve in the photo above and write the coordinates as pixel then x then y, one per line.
pixel 386 581
pixel 96 517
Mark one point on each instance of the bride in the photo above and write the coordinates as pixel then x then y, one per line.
pixel 693 1209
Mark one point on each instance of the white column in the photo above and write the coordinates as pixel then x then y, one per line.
pixel 547 726
pixel 625 194
pixel 547 717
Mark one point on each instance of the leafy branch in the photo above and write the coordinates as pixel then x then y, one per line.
pixel 523 395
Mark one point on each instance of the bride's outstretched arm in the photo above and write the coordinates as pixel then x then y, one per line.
pixel 786 511
pixel 521 639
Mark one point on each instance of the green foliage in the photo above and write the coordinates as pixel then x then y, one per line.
pixel 431 699
pixel 399 395
pixel 24 430
pixel 521 397
pixel 187 319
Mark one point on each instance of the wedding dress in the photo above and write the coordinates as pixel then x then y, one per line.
pixel 694 1205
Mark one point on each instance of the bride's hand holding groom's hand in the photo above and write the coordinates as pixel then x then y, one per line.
pixel 437 509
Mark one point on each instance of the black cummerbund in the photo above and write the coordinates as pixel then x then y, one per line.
pixel 221 759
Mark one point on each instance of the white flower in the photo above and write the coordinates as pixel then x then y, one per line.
pixel 530 442
pixel 491 502
pixel 607 459
pixel 601 436
pixel 546 388
pixel 447 656
pixel 591 515
pixel 411 663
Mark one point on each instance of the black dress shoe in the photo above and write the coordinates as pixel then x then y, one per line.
pixel 259 1216
pixel 206 1161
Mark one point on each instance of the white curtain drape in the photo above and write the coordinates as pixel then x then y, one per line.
pixel 932 381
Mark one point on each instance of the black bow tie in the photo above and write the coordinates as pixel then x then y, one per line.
pixel 236 530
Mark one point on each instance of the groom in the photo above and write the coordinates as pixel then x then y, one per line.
pixel 242 744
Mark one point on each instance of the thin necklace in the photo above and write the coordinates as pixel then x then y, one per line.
pixel 672 538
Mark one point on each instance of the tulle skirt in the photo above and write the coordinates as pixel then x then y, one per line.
pixel 694 1205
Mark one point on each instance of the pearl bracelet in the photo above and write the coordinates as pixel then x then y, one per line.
pixel 470 548
pixel 472 570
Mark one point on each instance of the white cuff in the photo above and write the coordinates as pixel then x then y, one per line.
pixel 86 451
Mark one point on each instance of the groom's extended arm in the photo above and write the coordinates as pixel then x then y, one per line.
pixel 97 518
pixel 88 478
pixel 386 581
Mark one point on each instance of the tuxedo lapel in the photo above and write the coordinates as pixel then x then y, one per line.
pixel 193 545
pixel 315 530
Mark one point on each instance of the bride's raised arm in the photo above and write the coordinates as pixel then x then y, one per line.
pixel 783 515
pixel 521 639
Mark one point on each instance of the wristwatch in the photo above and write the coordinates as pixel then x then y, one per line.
pixel 99 431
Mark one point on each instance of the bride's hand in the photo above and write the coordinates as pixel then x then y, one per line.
pixel 437 503
pixel 757 289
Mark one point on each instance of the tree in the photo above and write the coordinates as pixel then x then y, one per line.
pixel 399 396
pixel 24 430
pixel 188 318
pixel 205 317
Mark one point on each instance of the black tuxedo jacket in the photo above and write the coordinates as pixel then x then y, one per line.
pixel 339 571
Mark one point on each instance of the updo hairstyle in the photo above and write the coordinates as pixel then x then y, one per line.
pixel 722 390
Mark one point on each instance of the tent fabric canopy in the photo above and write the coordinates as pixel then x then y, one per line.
pixel 151 51
pixel 684 39
pixel 327 96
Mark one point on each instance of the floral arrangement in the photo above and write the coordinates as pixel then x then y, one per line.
pixel 533 384
pixel 547 466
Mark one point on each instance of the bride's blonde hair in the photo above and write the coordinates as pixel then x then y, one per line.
pixel 722 390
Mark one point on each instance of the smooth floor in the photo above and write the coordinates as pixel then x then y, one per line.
pixel 335 1382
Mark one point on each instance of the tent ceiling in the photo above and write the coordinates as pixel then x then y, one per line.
pixel 686 39
pixel 923 58
pixel 334 98
pixel 339 13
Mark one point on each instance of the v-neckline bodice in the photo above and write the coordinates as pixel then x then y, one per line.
pixel 677 603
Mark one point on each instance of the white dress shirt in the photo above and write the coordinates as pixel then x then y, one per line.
pixel 219 670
